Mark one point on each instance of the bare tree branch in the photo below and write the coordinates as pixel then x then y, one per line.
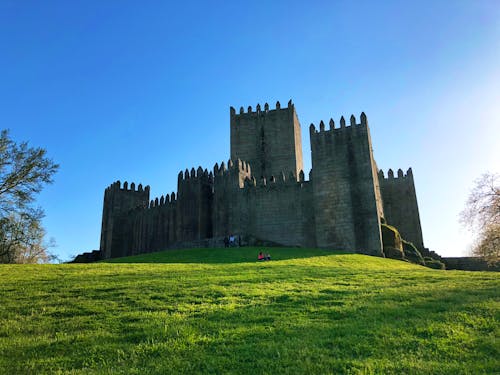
pixel 482 216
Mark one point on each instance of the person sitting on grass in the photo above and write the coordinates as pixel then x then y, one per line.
pixel 260 257
pixel 267 257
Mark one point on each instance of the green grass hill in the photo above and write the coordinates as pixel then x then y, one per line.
pixel 220 311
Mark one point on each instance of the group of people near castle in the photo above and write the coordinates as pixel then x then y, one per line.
pixel 230 241
pixel 233 241
pixel 263 257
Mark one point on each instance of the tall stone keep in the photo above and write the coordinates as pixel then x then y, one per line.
pixel 269 140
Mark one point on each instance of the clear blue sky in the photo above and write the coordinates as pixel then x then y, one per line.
pixel 137 91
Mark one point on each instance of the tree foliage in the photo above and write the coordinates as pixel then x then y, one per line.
pixel 482 216
pixel 24 171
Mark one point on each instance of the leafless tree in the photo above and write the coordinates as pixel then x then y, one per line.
pixel 482 216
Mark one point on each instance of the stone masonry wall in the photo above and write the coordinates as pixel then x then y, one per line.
pixel 275 210
pixel 227 218
pixel 149 229
pixel 269 140
pixel 344 187
pixel 279 210
pixel 118 199
pixel 144 227
pixel 194 205
pixel 400 205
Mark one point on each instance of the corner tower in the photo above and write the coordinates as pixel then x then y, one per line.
pixel 268 139
pixel 346 192
pixel 400 205
pixel 117 201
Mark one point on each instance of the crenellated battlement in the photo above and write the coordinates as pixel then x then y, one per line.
pixel 232 167
pixel 192 175
pixel 353 125
pixel 400 174
pixel 259 111
pixel 268 139
pixel 275 181
pixel 122 197
pixel 232 172
pixel 400 204
pixel 117 186
pixel 164 201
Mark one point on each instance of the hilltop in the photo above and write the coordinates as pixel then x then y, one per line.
pixel 219 311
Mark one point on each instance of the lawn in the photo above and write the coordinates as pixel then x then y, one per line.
pixel 220 311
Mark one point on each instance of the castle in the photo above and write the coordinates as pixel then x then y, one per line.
pixel 261 194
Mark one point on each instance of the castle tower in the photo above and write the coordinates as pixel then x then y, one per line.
pixel 228 207
pixel 117 201
pixel 268 139
pixel 400 205
pixel 346 195
pixel 194 204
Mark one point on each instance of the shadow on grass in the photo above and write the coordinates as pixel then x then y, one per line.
pixel 224 255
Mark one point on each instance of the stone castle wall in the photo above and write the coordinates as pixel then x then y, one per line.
pixel 266 196
pixel 400 205
pixel 279 210
pixel 118 201
pixel 344 187
pixel 229 201
pixel 269 140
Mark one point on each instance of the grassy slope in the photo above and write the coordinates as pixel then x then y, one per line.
pixel 321 313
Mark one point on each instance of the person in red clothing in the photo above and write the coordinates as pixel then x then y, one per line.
pixel 260 256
